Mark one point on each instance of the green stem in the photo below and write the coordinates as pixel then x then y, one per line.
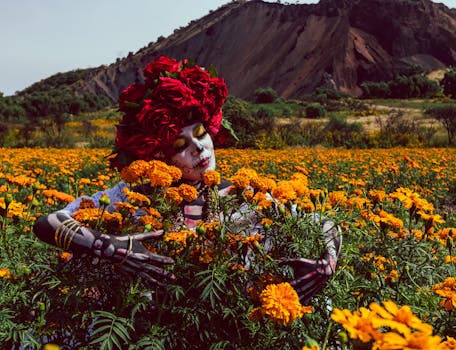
pixel 325 341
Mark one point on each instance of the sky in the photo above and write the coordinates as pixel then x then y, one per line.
pixel 40 38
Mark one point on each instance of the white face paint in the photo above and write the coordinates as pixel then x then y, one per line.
pixel 194 152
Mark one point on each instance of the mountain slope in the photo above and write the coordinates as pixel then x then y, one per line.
pixel 295 48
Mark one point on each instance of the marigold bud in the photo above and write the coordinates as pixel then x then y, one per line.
pixel 105 200
pixel 343 337
pixel 8 198
pixel 200 230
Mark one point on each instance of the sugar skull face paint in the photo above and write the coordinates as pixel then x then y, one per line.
pixel 194 152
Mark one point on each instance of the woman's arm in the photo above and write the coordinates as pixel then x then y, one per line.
pixel 310 275
pixel 61 230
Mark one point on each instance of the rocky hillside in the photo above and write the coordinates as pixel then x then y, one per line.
pixel 295 48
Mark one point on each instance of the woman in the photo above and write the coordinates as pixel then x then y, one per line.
pixel 175 116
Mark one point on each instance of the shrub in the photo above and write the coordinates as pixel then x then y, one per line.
pixel 340 132
pixel 330 93
pixel 244 123
pixel 415 86
pixel 398 130
pixel 448 83
pixel 375 89
pixel 265 95
pixel 315 110
pixel 446 115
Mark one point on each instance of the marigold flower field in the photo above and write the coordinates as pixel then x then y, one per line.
pixel 394 287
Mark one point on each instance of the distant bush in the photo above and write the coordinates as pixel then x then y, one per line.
pixel 415 86
pixel 315 110
pixel 445 114
pixel 265 117
pixel 399 131
pixel 301 134
pixel 338 132
pixel 373 89
pixel 448 83
pixel 330 94
pixel 265 95
pixel 244 123
pixel 410 70
pixel 10 110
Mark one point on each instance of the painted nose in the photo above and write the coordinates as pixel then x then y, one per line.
pixel 198 148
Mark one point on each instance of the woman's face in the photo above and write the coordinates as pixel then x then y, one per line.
pixel 194 152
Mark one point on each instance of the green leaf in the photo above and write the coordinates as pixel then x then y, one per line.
pixel 227 125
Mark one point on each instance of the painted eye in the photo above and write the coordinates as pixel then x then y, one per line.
pixel 199 132
pixel 179 145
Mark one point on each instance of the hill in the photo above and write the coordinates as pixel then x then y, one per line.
pixel 295 48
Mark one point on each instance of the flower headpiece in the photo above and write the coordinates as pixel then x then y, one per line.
pixel 175 94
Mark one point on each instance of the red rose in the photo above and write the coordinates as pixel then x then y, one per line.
pixel 222 137
pixel 160 65
pixel 173 93
pixel 212 125
pixel 197 79
pixel 160 120
pixel 139 146
pixel 131 97
pixel 216 96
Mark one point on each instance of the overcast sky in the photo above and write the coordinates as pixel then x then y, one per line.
pixel 42 37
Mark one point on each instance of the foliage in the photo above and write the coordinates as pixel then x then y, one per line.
pixel 398 129
pixel 448 83
pixel 322 95
pixel 414 86
pixel 48 105
pixel 341 133
pixel 373 89
pixel 446 115
pixel 265 95
pixel 57 81
pixel 395 207
pixel 258 125
pixel 409 70
pixel 244 123
pixel 315 110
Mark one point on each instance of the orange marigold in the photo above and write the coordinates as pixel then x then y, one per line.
pixel 188 192
pixel 447 290
pixel 135 171
pixel 66 256
pixel 5 273
pixel 449 344
pixel 159 178
pixel 337 198
pixel 173 195
pixel 152 221
pixel 243 177
pixel 135 197
pixel 61 196
pixel 398 318
pixel 262 183
pixel 280 303
pixel 358 323
pixel 284 192
pixel 211 178
pixel 180 237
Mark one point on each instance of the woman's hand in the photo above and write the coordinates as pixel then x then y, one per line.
pixel 133 257
pixel 310 275
pixel 127 251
